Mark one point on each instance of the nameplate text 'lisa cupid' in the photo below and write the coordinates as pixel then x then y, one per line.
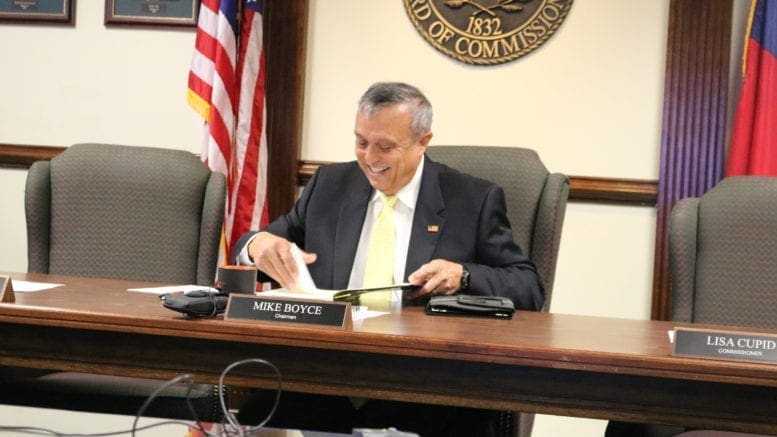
pixel 725 345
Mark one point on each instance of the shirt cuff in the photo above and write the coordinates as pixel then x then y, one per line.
pixel 242 258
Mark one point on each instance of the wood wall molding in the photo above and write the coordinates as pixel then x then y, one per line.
pixel 22 156
pixel 625 192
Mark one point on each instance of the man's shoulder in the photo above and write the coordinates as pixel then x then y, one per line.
pixel 338 170
pixel 339 176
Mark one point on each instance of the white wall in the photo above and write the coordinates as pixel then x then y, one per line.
pixel 88 83
pixel 63 85
pixel 589 101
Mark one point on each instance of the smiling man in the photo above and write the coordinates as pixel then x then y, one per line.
pixel 393 216
pixel 451 232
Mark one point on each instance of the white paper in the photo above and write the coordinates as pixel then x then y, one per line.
pixel 315 294
pixel 172 289
pixel 362 313
pixel 304 280
pixel 671 335
pixel 29 286
pixel 306 289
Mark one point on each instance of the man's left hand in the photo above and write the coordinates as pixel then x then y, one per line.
pixel 438 277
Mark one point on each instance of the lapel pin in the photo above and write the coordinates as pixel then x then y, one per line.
pixel 432 228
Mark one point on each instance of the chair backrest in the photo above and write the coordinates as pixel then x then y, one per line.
pixel 125 212
pixel 536 199
pixel 723 254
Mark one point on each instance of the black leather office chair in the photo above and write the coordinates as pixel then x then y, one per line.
pixel 536 205
pixel 121 212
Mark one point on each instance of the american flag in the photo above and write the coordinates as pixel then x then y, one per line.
pixel 227 87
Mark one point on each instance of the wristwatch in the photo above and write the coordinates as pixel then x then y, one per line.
pixel 464 277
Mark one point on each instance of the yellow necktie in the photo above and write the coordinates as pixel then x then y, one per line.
pixel 380 257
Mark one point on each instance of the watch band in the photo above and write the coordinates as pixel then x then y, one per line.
pixel 464 277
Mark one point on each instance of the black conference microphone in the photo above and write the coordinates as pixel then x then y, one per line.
pixel 196 304
pixel 206 303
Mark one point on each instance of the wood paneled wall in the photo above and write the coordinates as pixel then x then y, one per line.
pixel 694 119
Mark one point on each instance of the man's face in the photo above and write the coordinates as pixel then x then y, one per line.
pixel 386 149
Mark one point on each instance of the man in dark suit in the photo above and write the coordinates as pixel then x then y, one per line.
pixel 451 234
pixel 457 226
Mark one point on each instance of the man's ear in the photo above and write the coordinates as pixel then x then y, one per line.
pixel 424 140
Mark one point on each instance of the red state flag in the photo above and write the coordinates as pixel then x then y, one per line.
pixel 753 148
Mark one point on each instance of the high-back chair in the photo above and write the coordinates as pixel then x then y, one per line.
pixel 124 212
pixel 536 199
pixel 121 212
pixel 723 253
pixel 536 204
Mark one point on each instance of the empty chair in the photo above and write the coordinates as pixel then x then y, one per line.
pixel 124 212
pixel 121 212
pixel 723 250
pixel 722 253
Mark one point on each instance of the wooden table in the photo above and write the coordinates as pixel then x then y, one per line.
pixel 569 365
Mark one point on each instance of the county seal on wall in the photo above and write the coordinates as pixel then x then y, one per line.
pixel 487 32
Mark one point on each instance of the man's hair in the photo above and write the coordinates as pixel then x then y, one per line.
pixel 383 94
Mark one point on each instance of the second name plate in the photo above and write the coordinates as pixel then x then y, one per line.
pixel 725 345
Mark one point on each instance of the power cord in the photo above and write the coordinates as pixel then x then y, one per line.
pixel 164 387
pixel 232 427
pixel 231 417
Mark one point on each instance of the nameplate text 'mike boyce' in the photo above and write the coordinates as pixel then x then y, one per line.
pixel 297 311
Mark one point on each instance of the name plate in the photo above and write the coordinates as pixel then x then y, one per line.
pixel 6 290
pixel 280 310
pixel 725 345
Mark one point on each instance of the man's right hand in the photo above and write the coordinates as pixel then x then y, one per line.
pixel 272 255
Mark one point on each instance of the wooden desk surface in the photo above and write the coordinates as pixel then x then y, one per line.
pixel 537 362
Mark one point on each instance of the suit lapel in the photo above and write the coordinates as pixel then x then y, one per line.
pixel 428 220
pixel 349 227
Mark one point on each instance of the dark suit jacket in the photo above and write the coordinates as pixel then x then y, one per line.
pixel 469 213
